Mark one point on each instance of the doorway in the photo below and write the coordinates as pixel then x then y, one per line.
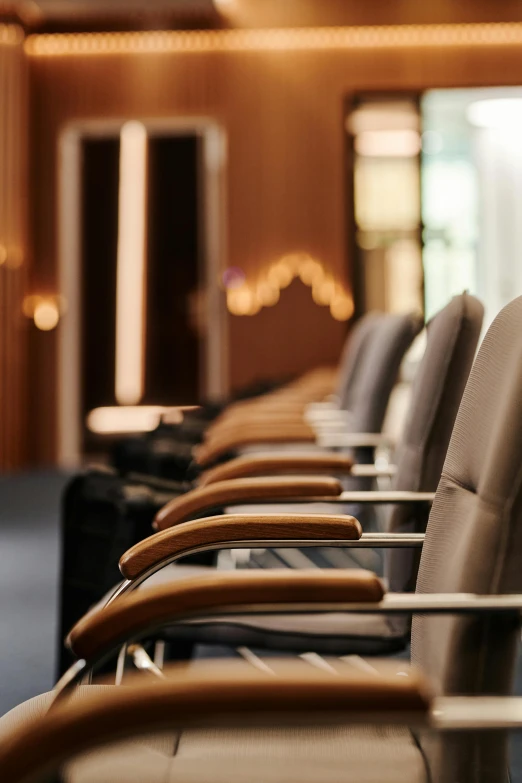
pixel 434 193
pixel 141 249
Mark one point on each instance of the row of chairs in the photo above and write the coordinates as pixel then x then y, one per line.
pixel 453 548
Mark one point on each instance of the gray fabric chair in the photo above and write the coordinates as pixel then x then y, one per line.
pixel 473 544
pixel 451 344
pixel 452 338
pixel 368 371
pixel 380 345
pixel 352 355
pixel 367 396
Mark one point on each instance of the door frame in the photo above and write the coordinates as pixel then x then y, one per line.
pixel 214 357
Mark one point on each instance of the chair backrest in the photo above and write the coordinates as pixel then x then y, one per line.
pixel 474 544
pixel 353 352
pixel 452 339
pixel 378 368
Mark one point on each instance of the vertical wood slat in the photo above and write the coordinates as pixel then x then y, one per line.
pixel 13 355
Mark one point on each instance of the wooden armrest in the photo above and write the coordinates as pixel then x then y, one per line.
pixel 99 632
pixel 272 464
pixel 254 419
pixel 250 490
pixel 235 528
pixel 285 401
pixel 217 694
pixel 235 437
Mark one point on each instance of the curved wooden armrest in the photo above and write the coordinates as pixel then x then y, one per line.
pixel 216 694
pixel 99 632
pixel 273 418
pixel 245 435
pixel 273 464
pixel 247 490
pixel 235 528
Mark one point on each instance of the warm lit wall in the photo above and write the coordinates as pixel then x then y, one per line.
pixel 282 109
pixel 298 13
pixel 13 328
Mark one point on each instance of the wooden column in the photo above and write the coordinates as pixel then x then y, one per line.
pixel 13 198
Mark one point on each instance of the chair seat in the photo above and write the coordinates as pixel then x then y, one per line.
pixel 337 633
pixel 343 754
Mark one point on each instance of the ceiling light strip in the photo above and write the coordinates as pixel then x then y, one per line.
pixel 392 36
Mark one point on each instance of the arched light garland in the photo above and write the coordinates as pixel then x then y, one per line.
pixel 247 298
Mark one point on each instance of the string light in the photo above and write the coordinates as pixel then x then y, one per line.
pixel 11 35
pixel 11 255
pixel 44 310
pixel 391 36
pixel 248 298
pixel 46 315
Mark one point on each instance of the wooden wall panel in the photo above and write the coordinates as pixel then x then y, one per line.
pixel 13 328
pixel 282 111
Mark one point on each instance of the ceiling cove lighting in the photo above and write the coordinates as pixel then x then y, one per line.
pixel 319 38
pixel 131 265
pixel 500 113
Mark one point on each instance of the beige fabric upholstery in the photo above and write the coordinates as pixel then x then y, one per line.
pixel 352 754
pixel 355 346
pixel 328 634
pixel 474 544
pixel 346 754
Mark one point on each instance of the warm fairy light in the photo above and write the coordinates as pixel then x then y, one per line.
pixel 310 271
pixel 12 256
pixel 44 310
pixel 342 307
pixel 11 35
pixel 267 294
pixel 243 300
pixel 46 315
pixel 319 38
pixel 131 264
pixel 280 275
pixel 248 299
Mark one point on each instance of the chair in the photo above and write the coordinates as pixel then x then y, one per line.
pixel 452 339
pixel 470 568
pixel 381 343
pixel 81 534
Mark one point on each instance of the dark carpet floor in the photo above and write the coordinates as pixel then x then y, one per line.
pixel 29 550
pixel 29 515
